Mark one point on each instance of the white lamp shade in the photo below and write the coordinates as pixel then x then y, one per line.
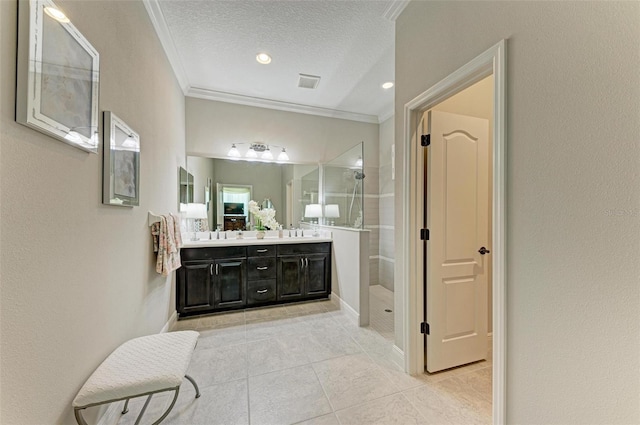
pixel 283 155
pixel 331 211
pixel 196 211
pixel 313 210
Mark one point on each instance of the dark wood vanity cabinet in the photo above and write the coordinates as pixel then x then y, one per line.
pixel 195 289
pixel 304 271
pixel 228 283
pixel 211 279
pixel 224 278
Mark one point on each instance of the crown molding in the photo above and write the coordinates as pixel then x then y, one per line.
pixel 278 105
pixel 395 9
pixel 386 115
pixel 162 30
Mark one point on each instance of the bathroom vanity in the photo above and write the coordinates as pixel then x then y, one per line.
pixel 220 275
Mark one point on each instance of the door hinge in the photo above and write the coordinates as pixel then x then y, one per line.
pixel 424 328
pixel 425 140
pixel 424 234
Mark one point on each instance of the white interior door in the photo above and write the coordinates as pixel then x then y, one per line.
pixel 458 222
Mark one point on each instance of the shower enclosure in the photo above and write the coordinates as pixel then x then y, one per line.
pixel 343 188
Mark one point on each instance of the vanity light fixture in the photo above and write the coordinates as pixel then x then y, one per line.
pixel 130 142
pixel 257 151
pixel 234 152
pixel 251 153
pixel 263 58
pixel 283 155
pixel 387 85
pixel 267 154
pixel 56 14
pixel 359 162
pixel 74 136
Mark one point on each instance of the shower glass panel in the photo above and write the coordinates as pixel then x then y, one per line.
pixel 343 188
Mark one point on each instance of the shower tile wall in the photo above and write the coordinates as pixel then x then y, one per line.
pixel 386 201
pixel 371 220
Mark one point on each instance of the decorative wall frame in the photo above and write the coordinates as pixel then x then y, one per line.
pixel 121 163
pixel 57 76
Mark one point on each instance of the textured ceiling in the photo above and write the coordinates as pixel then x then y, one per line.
pixel 349 44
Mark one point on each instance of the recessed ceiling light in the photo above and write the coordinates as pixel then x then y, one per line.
pixel 387 85
pixel 263 58
pixel 56 14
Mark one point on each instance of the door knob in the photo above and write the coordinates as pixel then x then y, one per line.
pixel 483 251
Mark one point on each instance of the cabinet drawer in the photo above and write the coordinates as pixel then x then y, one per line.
pixel 212 253
pixel 261 251
pixel 261 268
pixel 261 291
pixel 304 248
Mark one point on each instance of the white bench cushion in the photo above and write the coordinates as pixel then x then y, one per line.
pixel 141 365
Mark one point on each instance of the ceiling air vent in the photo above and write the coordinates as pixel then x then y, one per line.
pixel 308 81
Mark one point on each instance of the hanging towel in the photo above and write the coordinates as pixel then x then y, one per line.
pixel 167 242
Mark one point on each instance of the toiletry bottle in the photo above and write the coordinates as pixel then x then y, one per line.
pixel 280 232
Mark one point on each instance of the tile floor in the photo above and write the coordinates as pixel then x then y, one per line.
pixel 311 364
pixel 381 311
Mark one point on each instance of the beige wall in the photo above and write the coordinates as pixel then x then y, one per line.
pixel 78 277
pixel 573 119
pixel 213 126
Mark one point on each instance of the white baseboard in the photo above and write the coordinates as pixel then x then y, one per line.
pixel 351 313
pixel 397 356
pixel 170 323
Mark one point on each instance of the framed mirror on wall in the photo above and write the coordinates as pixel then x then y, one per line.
pixel 121 163
pixel 185 186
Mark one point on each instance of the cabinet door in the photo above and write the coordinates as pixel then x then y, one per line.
pixel 230 283
pixel 194 287
pixel 317 273
pixel 290 277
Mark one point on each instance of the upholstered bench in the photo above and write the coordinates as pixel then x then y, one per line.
pixel 142 366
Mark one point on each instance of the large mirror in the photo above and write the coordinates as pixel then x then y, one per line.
pixel 295 191
pixel 275 185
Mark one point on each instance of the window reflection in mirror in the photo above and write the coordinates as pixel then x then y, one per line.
pixel 185 186
pixel 233 206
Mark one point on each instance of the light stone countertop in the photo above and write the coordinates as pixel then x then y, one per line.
pixel 250 239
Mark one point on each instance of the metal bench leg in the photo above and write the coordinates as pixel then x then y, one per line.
pixel 126 406
pixel 146 403
pixel 194 385
pixel 173 402
pixel 79 417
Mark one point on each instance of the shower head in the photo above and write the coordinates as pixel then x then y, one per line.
pixel 358 175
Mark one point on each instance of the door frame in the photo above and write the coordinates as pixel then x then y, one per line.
pixel 492 61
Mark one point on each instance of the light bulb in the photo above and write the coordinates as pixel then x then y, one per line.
pixel 56 14
pixel 282 156
pixel 359 162
pixel 234 152
pixel 263 58
pixel 251 153
pixel 267 154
